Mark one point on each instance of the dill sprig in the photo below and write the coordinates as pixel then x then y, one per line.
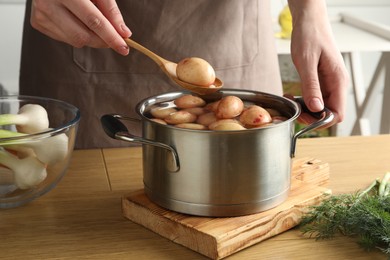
pixel 364 215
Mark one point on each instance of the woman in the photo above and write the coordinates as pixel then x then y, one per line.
pixel 236 37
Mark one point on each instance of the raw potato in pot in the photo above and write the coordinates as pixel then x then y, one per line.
pixel 196 110
pixel 193 126
pixel 228 127
pixel 255 116
pixel 180 117
pixel 207 119
pixel 229 107
pixel 196 71
pixel 189 101
pixel 227 113
pixel 158 120
pixel 226 124
pixel 162 112
pixel 212 106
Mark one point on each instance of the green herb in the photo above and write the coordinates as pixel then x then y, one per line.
pixel 364 215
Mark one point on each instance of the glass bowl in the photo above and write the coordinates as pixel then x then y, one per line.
pixel 32 164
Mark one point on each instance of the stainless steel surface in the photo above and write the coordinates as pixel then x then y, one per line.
pixel 222 173
pixel 115 129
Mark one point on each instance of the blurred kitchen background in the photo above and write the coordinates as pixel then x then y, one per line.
pixel 362 31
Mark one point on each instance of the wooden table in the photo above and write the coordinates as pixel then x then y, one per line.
pixel 81 218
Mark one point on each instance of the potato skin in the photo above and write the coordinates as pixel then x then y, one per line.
pixel 162 112
pixel 193 126
pixel 196 71
pixel 227 113
pixel 212 106
pixel 255 116
pixel 180 117
pixel 226 124
pixel 229 107
pixel 158 120
pixel 228 127
pixel 196 110
pixel 189 101
pixel 207 119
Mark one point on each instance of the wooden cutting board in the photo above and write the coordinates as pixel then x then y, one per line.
pixel 217 238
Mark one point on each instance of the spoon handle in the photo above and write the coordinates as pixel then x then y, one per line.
pixel 159 60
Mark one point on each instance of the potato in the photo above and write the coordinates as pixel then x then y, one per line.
pixel 196 110
pixel 195 71
pixel 226 124
pixel 213 106
pixel 229 107
pixel 193 126
pixel 207 119
pixel 189 101
pixel 224 121
pixel 180 117
pixel 255 116
pixel 158 120
pixel 162 112
pixel 227 113
pixel 228 127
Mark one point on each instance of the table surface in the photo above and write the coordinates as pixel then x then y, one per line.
pixel 81 218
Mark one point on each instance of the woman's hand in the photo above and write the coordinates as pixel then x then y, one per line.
pixel 319 63
pixel 81 23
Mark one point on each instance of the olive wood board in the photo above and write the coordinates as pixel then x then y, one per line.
pixel 220 237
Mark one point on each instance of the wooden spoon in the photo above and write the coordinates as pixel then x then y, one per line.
pixel 169 68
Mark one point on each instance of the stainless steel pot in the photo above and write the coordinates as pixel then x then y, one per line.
pixel 216 173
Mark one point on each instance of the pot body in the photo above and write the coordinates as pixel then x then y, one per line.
pixel 219 173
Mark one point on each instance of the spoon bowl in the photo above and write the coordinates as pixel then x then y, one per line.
pixel 169 68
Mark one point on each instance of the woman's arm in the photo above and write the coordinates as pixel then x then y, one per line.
pixel 318 61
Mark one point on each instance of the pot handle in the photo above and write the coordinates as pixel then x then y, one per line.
pixel 325 117
pixel 115 129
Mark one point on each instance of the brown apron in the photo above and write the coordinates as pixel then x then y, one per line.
pixel 234 36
